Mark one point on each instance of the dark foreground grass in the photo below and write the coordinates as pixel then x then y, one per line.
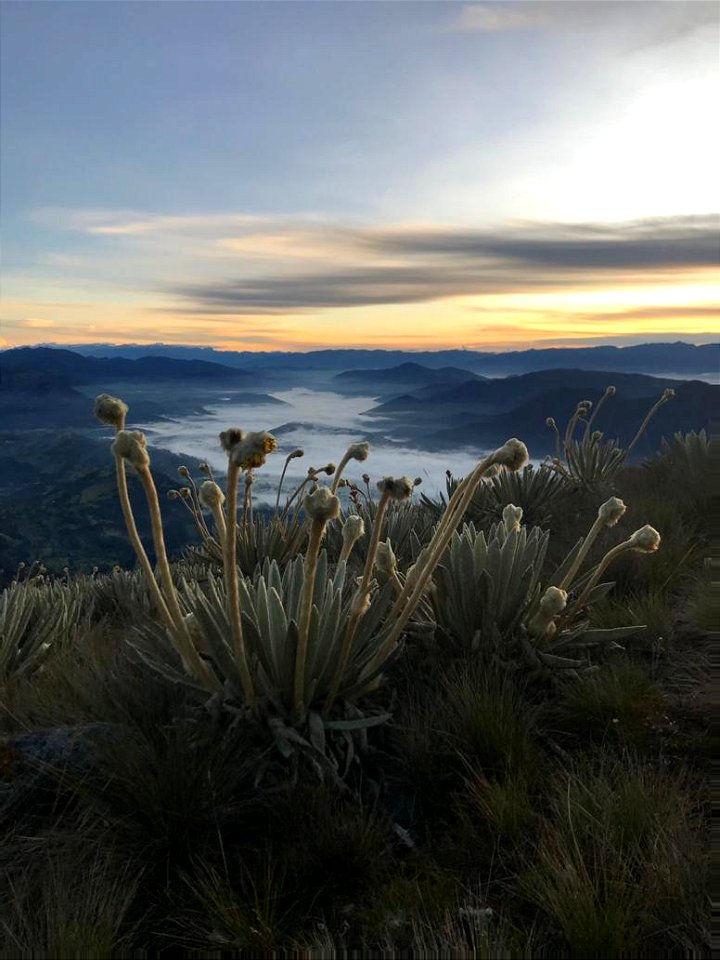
pixel 499 814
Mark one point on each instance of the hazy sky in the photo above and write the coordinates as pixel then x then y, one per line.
pixel 293 175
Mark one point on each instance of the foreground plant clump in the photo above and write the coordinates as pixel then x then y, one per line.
pixel 363 721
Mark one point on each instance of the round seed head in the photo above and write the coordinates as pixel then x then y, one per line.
pixel 611 511
pixel 173 494
pixel 353 529
pixel 417 481
pixel 329 469
pixel 205 468
pixel 610 391
pixel 230 438
pixel 184 472
pixel 366 478
pixel 550 422
pixel 646 539
pixel 322 504
pixel 513 455
pixel 110 410
pixel 668 394
pixel 397 488
pixel 252 450
pixel 131 445
pixel 211 495
pixel 296 453
pixel 185 493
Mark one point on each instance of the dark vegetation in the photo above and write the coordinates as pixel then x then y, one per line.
pixel 490 797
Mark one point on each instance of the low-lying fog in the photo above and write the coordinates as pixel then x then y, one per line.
pixel 326 424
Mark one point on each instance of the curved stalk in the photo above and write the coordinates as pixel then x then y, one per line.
pixel 359 607
pixel 232 586
pixel 596 411
pixel 136 542
pixel 641 429
pixel 306 603
pixel 282 478
pixel 600 569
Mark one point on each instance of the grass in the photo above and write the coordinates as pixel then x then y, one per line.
pixel 504 811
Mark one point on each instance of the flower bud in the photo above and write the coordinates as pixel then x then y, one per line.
pixel 211 495
pixel 205 469
pixel 173 494
pixel 366 478
pixel 417 481
pixel 512 516
pixel 110 410
pixel 358 451
pixel 322 504
pixel 550 422
pixel 251 451
pixel 646 539
pixel 385 558
pixel 296 453
pixel 553 601
pixel 131 445
pixel 668 394
pixel 397 488
pixel 352 529
pixel 184 472
pixel 329 469
pixel 610 391
pixel 611 511
pixel 513 455
pixel 230 438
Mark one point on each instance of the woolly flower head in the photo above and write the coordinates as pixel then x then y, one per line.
pixel 184 472
pixel 610 391
pixel 322 504
pixel 513 455
pixel 668 394
pixel 646 539
pixel 296 453
pixel 253 449
pixel 512 516
pixel 353 529
pixel 131 445
pixel 397 488
pixel 611 511
pixel 211 495
pixel 550 422
pixel 358 451
pixel 553 601
pixel 110 410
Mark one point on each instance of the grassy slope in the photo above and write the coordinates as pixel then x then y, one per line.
pixel 497 816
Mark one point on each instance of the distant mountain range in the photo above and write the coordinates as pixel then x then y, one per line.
pixel 660 358
pixel 42 386
pixel 480 412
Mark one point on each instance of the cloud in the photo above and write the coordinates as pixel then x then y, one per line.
pixel 669 22
pixel 38 323
pixel 422 264
pixel 497 17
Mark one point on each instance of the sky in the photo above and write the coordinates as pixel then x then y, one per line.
pixel 292 176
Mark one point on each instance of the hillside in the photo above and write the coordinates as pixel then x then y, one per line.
pixel 59 502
